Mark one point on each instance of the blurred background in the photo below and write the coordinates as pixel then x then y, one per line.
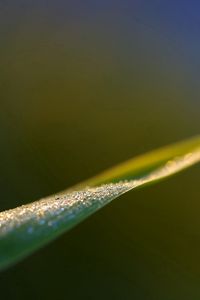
pixel 85 85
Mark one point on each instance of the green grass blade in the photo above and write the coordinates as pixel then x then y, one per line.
pixel 28 227
pixel 141 166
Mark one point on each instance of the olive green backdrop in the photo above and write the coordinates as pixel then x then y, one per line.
pixel 79 92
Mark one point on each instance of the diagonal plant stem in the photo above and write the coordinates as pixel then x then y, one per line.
pixel 28 227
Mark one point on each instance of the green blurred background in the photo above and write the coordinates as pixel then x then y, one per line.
pixel 84 86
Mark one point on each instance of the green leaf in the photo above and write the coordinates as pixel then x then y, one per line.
pixel 26 228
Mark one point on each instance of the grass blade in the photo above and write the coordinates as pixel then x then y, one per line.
pixel 28 227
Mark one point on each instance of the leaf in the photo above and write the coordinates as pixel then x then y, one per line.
pixel 26 228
